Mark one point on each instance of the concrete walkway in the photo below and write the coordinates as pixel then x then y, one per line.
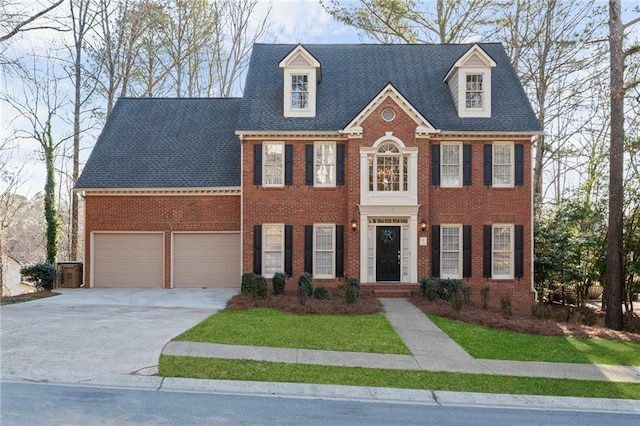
pixel 431 348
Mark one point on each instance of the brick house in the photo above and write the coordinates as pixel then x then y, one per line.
pixel 384 162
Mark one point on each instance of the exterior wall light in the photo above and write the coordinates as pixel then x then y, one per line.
pixel 423 225
pixel 354 224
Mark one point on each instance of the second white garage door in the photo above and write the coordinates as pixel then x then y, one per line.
pixel 128 260
pixel 206 260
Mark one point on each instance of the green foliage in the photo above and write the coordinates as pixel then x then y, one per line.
pixel 279 281
pixel 44 275
pixel 541 311
pixel 353 289
pixel 505 305
pixel 50 211
pixel 322 293
pixel 305 287
pixel 260 289
pixel 428 288
pixel 484 295
pixel 247 283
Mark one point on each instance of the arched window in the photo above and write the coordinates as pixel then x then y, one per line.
pixel 388 169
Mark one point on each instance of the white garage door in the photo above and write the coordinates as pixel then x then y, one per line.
pixel 128 260
pixel 206 260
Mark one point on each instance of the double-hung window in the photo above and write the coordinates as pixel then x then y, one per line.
pixel 324 251
pixel 451 251
pixel 502 251
pixel 299 91
pixel 503 164
pixel 324 164
pixel 451 165
pixel 273 164
pixel 272 249
pixel 474 93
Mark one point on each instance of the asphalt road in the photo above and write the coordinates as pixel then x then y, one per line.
pixel 33 403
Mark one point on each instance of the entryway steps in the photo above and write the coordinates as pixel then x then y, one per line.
pixel 393 290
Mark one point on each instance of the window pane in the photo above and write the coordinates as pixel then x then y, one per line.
pixel 299 91
pixel 502 164
pixel 324 251
pixel 388 173
pixel 273 164
pixel 450 168
pixel 450 239
pixel 502 253
pixel 474 91
pixel 325 161
pixel 450 251
pixel 272 249
pixel 450 264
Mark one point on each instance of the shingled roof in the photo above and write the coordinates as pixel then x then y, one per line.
pixel 166 143
pixel 353 74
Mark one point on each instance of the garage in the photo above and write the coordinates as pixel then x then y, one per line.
pixel 128 260
pixel 206 259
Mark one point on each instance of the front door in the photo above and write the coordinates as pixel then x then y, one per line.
pixel 388 253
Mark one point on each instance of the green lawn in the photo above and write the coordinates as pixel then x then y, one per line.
pixel 225 369
pixel 489 343
pixel 271 327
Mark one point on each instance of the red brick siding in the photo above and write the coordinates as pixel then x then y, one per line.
pixel 475 205
pixel 159 213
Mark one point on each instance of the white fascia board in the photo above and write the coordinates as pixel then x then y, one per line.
pixel 490 63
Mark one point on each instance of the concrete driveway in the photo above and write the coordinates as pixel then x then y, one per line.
pixel 100 331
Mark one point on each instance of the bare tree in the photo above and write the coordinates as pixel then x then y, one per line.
pixel 410 21
pixel 16 22
pixel 618 87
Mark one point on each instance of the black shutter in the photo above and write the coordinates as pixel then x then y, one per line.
pixel 288 250
pixel 435 251
pixel 257 164
pixel 519 164
pixel 488 164
pixel 466 251
pixel 257 249
pixel 339 250
pixel 486 251
pixel 288 164
pixel 340 165
pixel 435 164
pixel 308 164
pixel 308 249
pixel 466 164
pixel 518 255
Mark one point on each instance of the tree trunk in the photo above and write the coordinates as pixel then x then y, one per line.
pixel 614 275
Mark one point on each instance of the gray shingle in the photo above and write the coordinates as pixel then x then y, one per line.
pixel 353 74
pixel 166 143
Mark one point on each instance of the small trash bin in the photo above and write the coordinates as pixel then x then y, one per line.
pixel 70 274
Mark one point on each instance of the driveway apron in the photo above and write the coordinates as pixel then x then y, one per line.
pixel 120 331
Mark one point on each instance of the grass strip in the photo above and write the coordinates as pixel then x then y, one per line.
pixel 274 328
pixel 489 343
pixel 226 369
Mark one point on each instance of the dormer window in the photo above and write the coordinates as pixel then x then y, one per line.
pixel 474 95
pixel 301 75
pixel 299 91
pixel 469 81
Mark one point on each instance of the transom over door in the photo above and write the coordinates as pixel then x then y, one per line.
pixel 388 253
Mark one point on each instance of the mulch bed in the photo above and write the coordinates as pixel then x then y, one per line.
pixel 369 304
pixel 8 300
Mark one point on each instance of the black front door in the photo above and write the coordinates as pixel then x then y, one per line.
pixel 388 253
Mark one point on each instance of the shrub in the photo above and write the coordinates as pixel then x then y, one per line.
pixel 594 292
pixel 247 283
pixel 322 293
pixel 302 295
pixel 352 294
pixel 541 311
pixel 306 281
pixel 484 295
pixel 279 280
pixel 260 289
pixel 466 294
pixel 428 288
pixel 505 305
pixel 44 275
pixel 457 299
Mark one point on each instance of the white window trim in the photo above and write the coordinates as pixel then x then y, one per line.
pixel 335 165
pixel 485 111
pixel 511 259
pixel 333 250
pixel 512 172
pixel 442 183
pixel 264 164
pixel 310 72
pixel 264 252
pixel 460 242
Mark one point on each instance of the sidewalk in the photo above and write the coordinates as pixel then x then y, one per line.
pixel 431 348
